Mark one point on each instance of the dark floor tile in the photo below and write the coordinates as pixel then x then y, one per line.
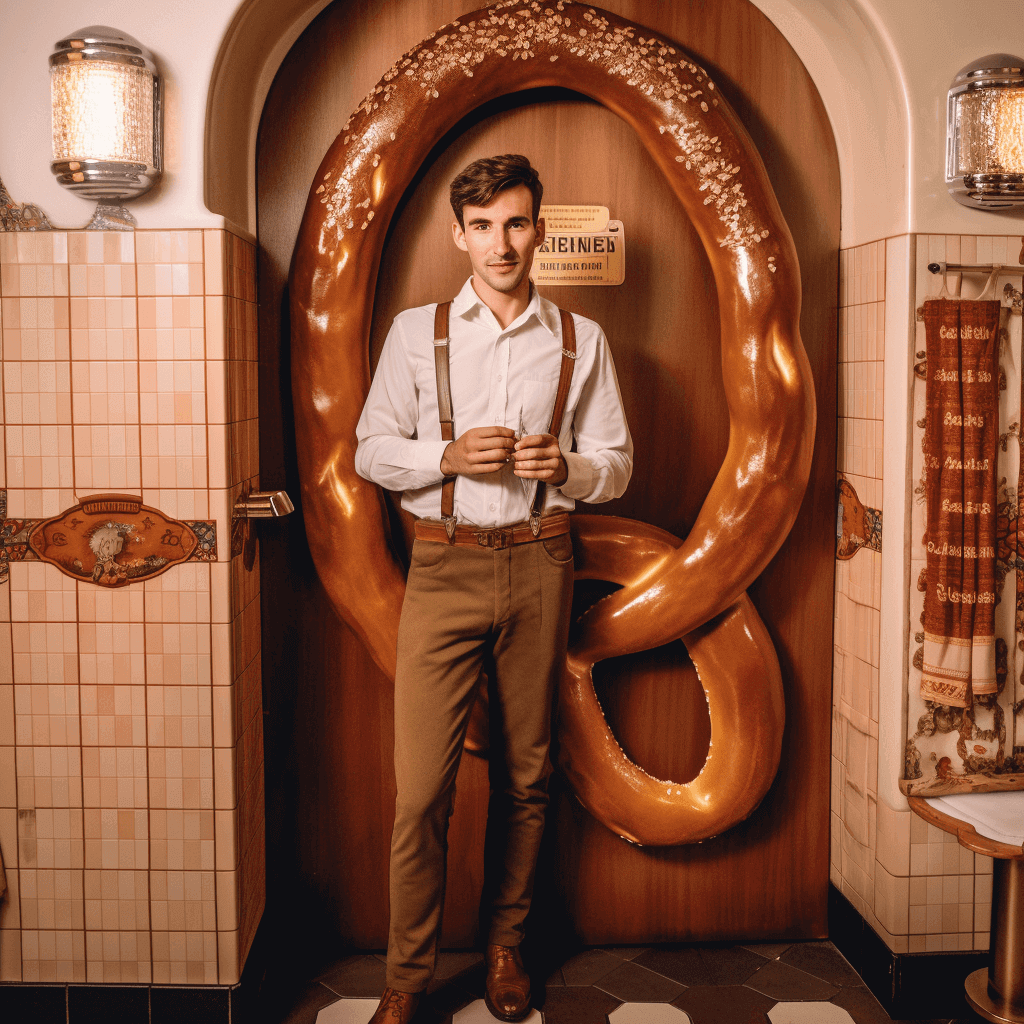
pixel 576 1005
pixel 769 950
pixel 355 977
pixel 305 1006
pixel 705 965
pixel 783 982
pixel 682 964
pixel 864 1008
pixel 555 978
pixel 724 1004
pixel 100 1005
pixel 439 1005
pixel 589 966
pixel 823 960
pixel 195 1005
pixel 41 1004
pixel 635 984
pixel 626 952
pixel 730 965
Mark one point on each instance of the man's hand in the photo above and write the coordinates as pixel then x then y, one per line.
pixel 537 456
pixel 478 451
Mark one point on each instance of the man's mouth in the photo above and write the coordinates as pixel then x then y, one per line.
pixel 502 266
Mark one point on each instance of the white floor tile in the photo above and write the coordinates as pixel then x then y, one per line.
pixel 347 1011
pixel 808 1013
pixel 477 1013
pixel 648 1013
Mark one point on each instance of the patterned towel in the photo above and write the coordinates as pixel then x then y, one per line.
pixel 961 431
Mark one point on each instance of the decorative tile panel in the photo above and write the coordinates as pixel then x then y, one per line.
pixel 111 540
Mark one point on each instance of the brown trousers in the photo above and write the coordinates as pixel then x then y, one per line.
pixel 467 609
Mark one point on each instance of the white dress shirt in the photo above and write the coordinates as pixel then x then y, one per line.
pixel 499 377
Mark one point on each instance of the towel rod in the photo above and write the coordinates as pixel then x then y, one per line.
pixel 974 268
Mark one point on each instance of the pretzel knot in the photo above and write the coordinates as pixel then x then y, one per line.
pixel 695 589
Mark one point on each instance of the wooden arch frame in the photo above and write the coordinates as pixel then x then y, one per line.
pixel 696 590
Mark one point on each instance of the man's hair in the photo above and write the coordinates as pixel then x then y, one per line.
pixel 482 180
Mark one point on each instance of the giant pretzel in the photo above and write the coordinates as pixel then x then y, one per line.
pixel 694 589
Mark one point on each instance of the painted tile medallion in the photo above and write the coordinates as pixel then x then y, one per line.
pixel 110 540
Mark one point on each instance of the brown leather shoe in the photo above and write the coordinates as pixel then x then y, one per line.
pixel 396 1007
pixel 508 985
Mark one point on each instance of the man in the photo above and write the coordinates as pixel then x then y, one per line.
pixel 490 579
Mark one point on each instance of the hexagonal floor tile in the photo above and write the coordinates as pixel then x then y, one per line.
pixel 724 1004
pixel 636 984
pixel 809 1013
pixel 648 1013
pixel 477 1013
pixel 783 982
pixel 348 1011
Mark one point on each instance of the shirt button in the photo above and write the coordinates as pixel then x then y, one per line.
pixel 499 376
pixel 493 506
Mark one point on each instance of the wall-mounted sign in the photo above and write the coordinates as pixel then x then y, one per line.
pixel 582 246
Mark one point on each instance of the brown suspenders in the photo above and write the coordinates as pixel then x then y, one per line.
pixel 444 409
pixel 445 412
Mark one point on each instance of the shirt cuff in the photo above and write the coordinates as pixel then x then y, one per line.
pixel 580 481
pixel 428 459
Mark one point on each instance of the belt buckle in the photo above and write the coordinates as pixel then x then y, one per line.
pixel 497 539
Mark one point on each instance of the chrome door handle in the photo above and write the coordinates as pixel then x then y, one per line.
pixel 263 505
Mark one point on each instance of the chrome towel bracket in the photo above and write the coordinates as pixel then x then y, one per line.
pixel 263 505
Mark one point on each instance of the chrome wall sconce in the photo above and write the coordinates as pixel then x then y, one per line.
pixel 985 133
pixel 105 95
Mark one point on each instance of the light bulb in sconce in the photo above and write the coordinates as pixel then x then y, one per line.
pixel 985 133
pixel 105 96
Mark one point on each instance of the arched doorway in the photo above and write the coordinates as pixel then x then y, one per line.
pixel 330 789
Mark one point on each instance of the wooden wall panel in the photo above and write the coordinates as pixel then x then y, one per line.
pixel 329 734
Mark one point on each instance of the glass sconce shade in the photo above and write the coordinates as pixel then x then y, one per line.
pixel 985 133
pixel 105 96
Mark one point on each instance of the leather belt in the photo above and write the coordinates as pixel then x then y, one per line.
pixel 497 538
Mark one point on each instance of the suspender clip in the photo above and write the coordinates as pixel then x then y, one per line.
pixel 450 523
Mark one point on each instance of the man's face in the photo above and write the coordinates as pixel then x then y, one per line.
pixel 501 239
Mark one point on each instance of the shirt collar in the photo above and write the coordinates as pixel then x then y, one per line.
pixel 545 311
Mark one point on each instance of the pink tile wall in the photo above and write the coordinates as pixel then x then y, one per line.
pixel 131 806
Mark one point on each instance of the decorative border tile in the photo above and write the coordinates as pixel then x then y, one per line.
pixel 93 554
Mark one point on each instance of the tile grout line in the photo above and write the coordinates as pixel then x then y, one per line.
pixel 78 632
pixel 78 654
pixel 213 712
pixel 145 649
pixel 14 716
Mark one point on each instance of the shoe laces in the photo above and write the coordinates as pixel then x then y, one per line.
pixel 395 1003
